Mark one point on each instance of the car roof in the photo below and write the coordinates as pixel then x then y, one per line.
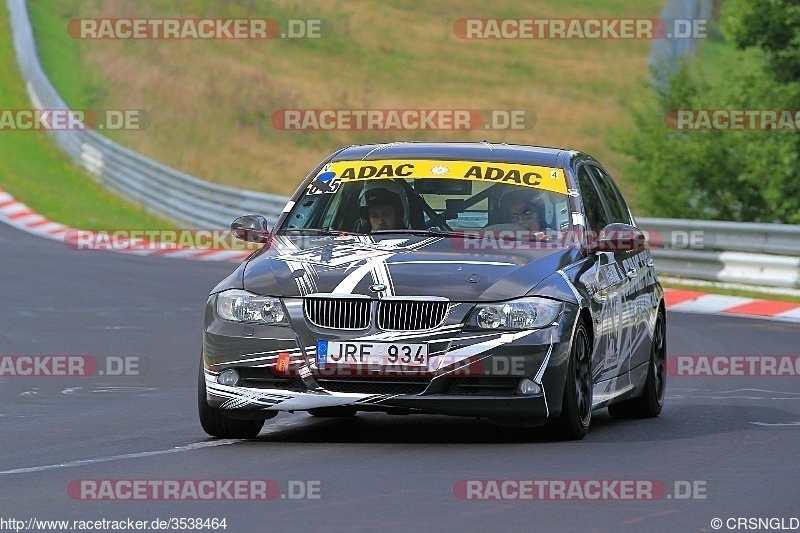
pixel 458 151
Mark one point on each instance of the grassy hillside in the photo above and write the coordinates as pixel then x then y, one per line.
pixel 36 172
pixel 211 101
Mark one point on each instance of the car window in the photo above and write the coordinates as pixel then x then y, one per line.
pixel 421 194
pixel 596 217
pixel 616 205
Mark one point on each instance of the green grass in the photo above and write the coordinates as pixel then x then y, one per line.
pixel 80 89
pixel 211 101
pixel 716 57
pixel 36 172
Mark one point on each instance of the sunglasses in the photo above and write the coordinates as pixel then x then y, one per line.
pixel 527 213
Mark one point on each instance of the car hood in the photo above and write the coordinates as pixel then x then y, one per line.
pixel 454 268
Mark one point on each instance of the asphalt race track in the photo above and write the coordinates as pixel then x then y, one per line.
pixel 734 440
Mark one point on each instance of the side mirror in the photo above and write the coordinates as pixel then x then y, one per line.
pixel 251 228
pixel 617 237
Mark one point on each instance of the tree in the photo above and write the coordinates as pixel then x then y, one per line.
pixel 773 26
pixel 731 174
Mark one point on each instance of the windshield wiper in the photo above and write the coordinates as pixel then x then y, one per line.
pixel 423 232
pixel 317 231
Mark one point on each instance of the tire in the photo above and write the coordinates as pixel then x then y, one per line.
pixel 217 424
pixel 576 406
pixel 333 412
pixel 651 401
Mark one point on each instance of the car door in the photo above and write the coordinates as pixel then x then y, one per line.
pixel 609 283
pixel 637 268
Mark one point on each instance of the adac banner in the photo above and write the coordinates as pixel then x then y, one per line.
pixel 537 177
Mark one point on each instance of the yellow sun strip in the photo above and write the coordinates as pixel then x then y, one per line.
pixel 534 176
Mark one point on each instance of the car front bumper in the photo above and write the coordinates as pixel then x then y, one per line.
pixel 470 372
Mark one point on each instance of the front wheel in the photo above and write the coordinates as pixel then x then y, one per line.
pixel 216 424
pixel 576 407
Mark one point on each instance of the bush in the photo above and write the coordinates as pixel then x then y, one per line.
pixel 741 175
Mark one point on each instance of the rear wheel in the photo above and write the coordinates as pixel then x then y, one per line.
pixel 216 424
pixel 576 407
pixel 650 402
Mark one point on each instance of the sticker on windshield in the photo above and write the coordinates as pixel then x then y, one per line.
pixel 325 182
pixel 534 176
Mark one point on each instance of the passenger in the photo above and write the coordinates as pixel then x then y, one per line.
pixel 526 209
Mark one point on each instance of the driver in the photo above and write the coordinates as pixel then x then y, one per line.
pixel 385 205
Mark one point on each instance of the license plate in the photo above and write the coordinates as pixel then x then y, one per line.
pixel 372 353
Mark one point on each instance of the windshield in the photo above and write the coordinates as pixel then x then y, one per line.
pixel 424 195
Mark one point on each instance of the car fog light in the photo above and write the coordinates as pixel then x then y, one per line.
pixel 527 386
pixel 228 377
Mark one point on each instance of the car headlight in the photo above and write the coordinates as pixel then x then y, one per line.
pixel 525 313
pixel 242 306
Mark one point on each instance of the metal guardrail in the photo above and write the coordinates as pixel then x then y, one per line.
pixel 758 270
pixel 711 235
pixel 751 254
pixel 756 254
pixel 765 255
pixel 667 49
pixel 158 188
